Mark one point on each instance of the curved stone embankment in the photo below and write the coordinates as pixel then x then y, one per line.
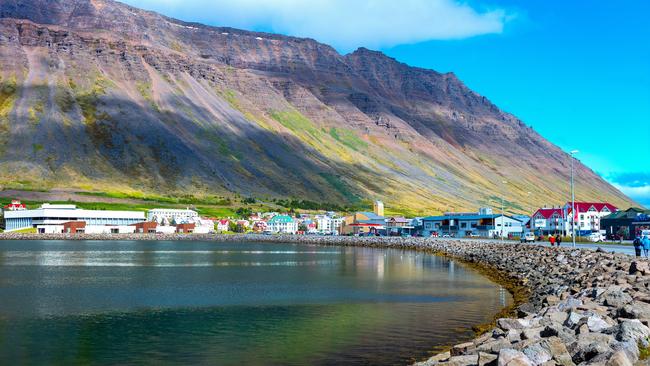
pixel 584 306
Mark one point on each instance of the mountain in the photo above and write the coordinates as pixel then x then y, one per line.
pixel 98 95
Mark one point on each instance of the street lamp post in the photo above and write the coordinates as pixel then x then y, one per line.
pixel 573 202
pixel 502 221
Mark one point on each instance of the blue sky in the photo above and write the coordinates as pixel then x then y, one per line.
pixel 577 71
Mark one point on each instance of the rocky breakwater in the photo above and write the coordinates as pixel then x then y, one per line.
pixel 586 307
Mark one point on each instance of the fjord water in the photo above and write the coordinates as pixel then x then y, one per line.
pixel 138 302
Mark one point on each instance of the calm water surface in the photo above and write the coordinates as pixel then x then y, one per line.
pixel 123 302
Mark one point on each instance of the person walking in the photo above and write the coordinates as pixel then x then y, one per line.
pixel 637 246
pixel 646 245
pixel 551 239
pixel 558 240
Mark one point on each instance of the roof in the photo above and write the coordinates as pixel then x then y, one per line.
pixel 281 219
pixel 547 213
pixel 465 217
pixel 398 219
pixel 585 206
pixel 372 215
pixel 224 222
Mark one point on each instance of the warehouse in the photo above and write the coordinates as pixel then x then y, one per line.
pixel 57 215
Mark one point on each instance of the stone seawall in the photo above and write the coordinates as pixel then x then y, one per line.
pixel 584 306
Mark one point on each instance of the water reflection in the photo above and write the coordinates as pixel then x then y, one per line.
pixel 143 302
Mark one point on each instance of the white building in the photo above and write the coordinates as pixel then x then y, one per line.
pixel 49 214
pixel 587 216
pixel 204 226
pixel 172 216
pixel 282 224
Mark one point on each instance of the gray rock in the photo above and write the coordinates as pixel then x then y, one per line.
pixel 487 359
pixel 619 358
pixel 616 297
pixel 589 346
pixel 596 323
pixel 537 354
pixel 463 349
pixel 568 304
pixel 511 357
pixel 558 351
pixel 509 323
pixel 466 360
pixel 573 319
pixel 494 346
pixel 532 333
pixel 630 348
pixel 636 310
pixel 633 330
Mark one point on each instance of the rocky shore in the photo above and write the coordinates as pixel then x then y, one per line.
pixel 583 306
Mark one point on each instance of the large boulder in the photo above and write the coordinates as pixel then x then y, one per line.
pixel 537 354
pixel 633 330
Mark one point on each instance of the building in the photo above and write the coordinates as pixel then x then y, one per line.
pixel 145 227
pixel 223 225
pixel 172 216
pixel 626 224
pixel 15 205
pixel 547 221
pixel 362 223
pixel 587 216
pixel 466 225
pixel 49 214
pixel 378 208
pixel 259 226
pixel 185 228
pixel 283 224
pixel 397 226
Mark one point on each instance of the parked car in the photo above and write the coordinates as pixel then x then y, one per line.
pixel 527 238
pixel 473 235
pixel 596 237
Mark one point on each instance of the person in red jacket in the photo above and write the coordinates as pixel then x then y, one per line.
pixel 551 239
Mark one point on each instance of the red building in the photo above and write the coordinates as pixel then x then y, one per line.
pixel 185 228
pixel 73 227
pixel 148 227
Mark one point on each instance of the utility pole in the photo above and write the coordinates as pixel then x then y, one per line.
pixel 573 202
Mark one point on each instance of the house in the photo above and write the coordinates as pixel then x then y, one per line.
pixel 15 205
pixel 362 223
pixel 203 226
pixel 547 221
pixel 465 225
pixel 223 225
pixel 259 226
pixel 284 224
pixel 396 226
pixel 626 224
pixel 587 216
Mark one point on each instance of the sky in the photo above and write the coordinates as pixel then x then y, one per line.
pixel 577 71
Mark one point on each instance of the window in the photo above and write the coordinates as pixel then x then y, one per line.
pixel 463 225
pixel 582 217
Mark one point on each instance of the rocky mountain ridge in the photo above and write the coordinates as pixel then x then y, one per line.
pixel 103 96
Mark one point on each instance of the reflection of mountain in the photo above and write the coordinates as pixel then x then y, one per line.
pixel 97 94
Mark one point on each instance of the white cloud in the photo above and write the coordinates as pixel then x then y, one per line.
pixel 344 24
pixel 640 194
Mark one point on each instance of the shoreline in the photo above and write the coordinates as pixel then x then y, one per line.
pixel 571 306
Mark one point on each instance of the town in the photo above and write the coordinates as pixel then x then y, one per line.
pixel 592 221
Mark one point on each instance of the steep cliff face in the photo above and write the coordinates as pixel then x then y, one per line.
pixel 95 94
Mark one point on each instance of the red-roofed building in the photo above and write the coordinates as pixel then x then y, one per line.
pixel 587 215
pixel 15 205
pixel 223 225
pixel 547 221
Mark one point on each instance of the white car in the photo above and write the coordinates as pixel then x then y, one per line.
pixel 596 237
pixel 527 238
